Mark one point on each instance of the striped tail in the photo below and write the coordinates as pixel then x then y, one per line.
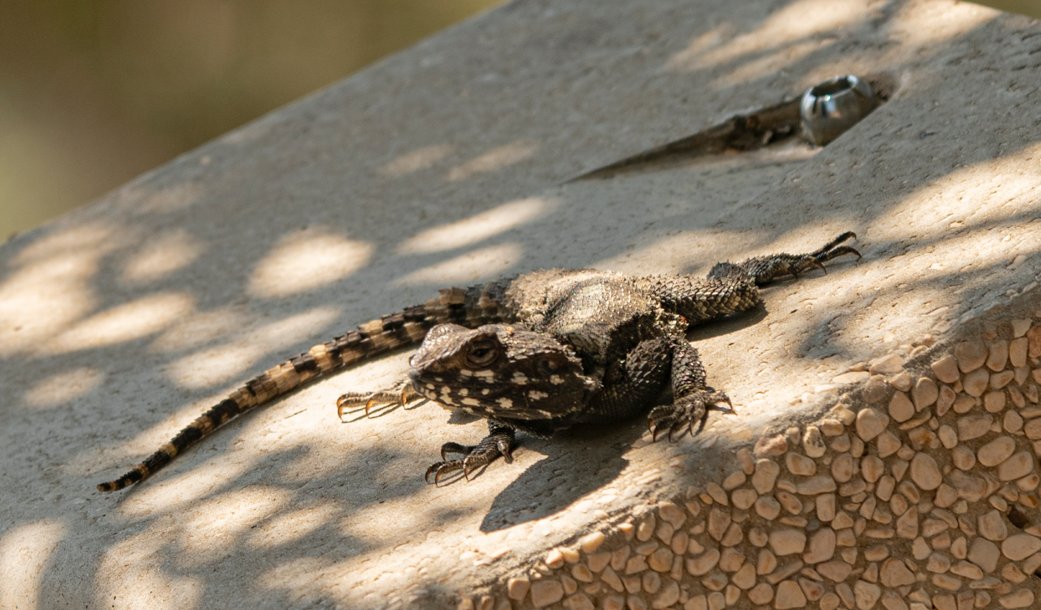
pixel 470 307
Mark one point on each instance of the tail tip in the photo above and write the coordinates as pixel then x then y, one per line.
pixel 134 476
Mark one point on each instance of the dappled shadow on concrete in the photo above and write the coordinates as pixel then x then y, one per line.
pixel 577 463
pixel 123 321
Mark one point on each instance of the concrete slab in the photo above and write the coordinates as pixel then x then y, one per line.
pixel 449 164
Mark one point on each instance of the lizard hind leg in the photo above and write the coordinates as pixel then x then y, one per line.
pixel 692 398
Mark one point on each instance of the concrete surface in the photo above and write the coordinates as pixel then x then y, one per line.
pixel 448 164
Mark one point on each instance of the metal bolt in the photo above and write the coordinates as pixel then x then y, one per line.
pixel 832 107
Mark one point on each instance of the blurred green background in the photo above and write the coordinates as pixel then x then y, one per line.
pixel 94 92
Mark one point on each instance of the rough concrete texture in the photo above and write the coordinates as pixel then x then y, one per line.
pixel 448 164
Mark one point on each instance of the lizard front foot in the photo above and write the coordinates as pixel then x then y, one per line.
pixel 688 410
pixel 399 395
pixel 499 442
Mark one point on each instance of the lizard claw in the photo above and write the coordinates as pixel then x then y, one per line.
pixel 439 469
pixel 398 396
pixel 765 269
pixel 833 249
pixel 680 418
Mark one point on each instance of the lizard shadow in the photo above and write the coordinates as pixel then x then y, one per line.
pixel 577 463
pixel 727 325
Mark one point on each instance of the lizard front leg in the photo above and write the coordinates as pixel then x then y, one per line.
pixel 499 442
pixel 692 397
pixel 633 384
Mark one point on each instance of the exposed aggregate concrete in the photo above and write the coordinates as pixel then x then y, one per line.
pixel 926 499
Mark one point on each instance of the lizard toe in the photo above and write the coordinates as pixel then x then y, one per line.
pixel 450 448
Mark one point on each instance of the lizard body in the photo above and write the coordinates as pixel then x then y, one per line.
pixel 539 352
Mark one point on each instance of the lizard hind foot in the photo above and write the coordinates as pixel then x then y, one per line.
pixel 376 403
pixel 685 413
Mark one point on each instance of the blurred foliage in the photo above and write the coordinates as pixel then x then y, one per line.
pixel 1024 7
pixel 95 92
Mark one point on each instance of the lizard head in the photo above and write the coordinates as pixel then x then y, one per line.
pixel 499 371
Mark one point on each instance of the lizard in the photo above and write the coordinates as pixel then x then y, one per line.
pixel 536 353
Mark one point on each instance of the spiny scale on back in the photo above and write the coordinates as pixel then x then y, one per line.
pixel 541 352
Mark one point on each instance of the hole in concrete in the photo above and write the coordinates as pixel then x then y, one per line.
pixel 765 127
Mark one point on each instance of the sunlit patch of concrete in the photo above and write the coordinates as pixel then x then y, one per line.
pixel 222 363
pixel 63 387
pixel 806 18
pixel 41 298
pixel 416 160
pixel 478 227
pixel 162 256
pixel 307 260
pixel 495 159
pixel 49 285
pixel 981 193
pixel 25 552
pixel 59 243
pixel 483 263
pixel 172 491
pixel 211 528
pixel 132 573
pixel 688 59
pixel 228 362
pixel 133 320
pixel 793 23
pixel 771 62
pixel 675 253
pixel 142 198
pixel 198 328
pixel 946 22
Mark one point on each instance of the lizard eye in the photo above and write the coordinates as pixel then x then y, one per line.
pixel 481 354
